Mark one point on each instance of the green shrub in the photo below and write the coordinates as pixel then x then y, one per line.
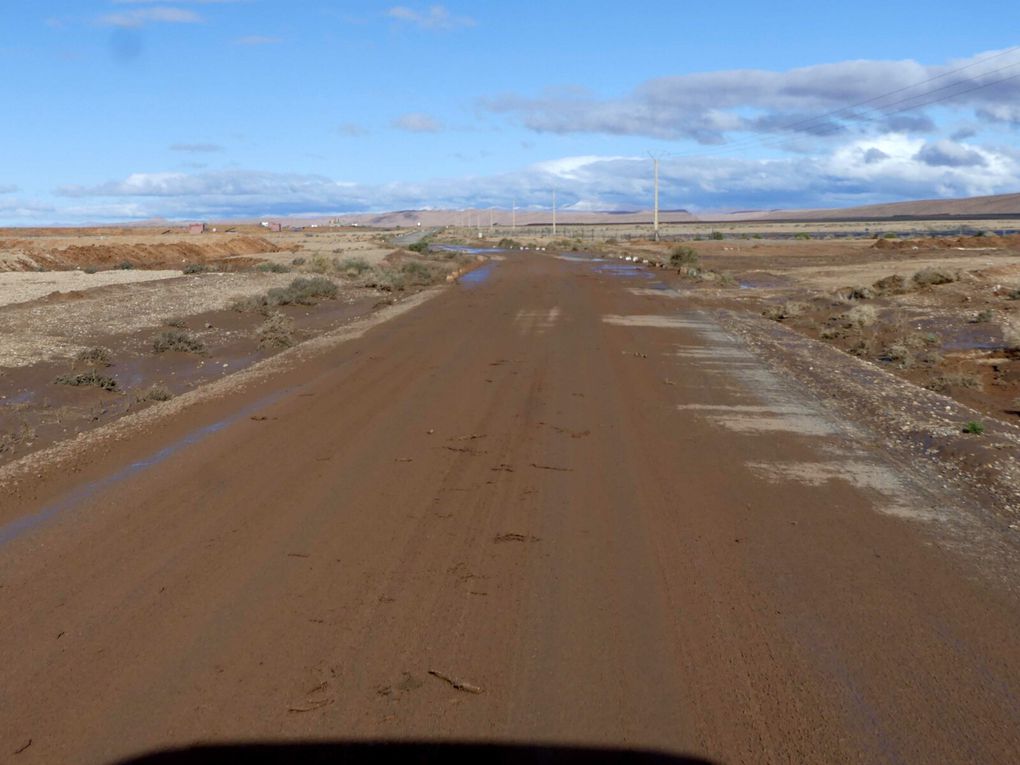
pixel 248 304
pixel 420 246
pixel 974 428
pixel 927 277
pixel 272 268
pixel 385 280
pixel 302 291
pixel 177 340
pixel 354 266
pixel 155 393
pixel 90 378
pixel 277 331
pixel 683 257
pixel 717 235
pixel 125 265
pixel 791 309
pixel 195 268
pixel 802 235
pixel 417 273
pixel 946 382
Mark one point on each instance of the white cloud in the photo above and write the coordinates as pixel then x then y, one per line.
pixel 435 17
pixel 815 100
pixel 140 17
pixel 352 129
pixel 890 167
pixel 417 122
pixel 7 189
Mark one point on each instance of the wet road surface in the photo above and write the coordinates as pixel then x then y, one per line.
pixel 551 505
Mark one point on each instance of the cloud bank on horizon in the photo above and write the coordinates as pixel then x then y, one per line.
pixel 233 108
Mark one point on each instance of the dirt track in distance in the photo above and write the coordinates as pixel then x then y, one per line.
pixel 546 506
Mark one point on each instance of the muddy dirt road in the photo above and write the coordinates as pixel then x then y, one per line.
pixel 549 505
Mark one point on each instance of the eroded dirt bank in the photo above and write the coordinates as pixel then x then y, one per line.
pixel 551 504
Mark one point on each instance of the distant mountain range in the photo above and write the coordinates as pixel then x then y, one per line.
pixel 1000 205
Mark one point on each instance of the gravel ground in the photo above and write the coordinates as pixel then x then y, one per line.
pixel 23 286
pixel 61 326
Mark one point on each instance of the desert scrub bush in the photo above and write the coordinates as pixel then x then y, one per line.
pixel 683 257
pixel 982 317
pixel 417 273
pixel 298 262
pixel 419 246
pixel 248 304
pixel 861 316
pixel 791 309
pixel 156 392
pixel 385 280
pixel 302 291
pixel 125 265
pixel 929 277
pixel 91 378
pixel 10 440
pixel 314 287
pixel 354 266
pixel 944 383
pixel 893 284
pixel 912 349
pixel 1010 337
pixel 974 428
pixel 717 235
pixel 859 293
pixel 320 264
pixel 726 279
pixel 177 340
pixel 97 356
pixel 276 332
pixel 272 268
pixel 196 268
pixel 802 235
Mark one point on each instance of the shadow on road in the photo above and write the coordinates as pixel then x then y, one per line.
pixel 405 752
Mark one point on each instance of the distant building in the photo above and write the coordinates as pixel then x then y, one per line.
pixel 196 228
pixel 277 227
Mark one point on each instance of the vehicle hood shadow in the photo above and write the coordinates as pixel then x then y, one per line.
pixel 260 753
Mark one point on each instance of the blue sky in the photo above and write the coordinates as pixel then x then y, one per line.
pixel 130 109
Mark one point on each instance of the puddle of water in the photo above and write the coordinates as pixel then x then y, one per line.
pixel 18 398
pixel 614 269
pixel 477 276
pixel 963 337
pixel 465 249
pixel 666 322
pixel 21 526
pixel 761 280
pixel 861 475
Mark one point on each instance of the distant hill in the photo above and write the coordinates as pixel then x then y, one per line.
pixel 981 207
pixel 469 218
pixel 1001 205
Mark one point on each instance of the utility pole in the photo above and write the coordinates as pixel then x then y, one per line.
pixel 513 224
pixel 490 217
pixel 554 212
pixel 656 223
